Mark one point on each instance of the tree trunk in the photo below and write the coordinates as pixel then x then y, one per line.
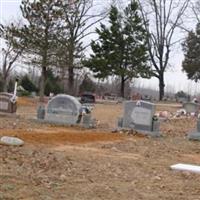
pixel 71 71
pixel 5 84
pixel 42 83
pixel 122 87
pixel 71 81
pixel 161 86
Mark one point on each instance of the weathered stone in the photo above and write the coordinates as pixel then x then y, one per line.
pixel 11 141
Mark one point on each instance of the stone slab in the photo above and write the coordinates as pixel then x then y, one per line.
pixel 186 167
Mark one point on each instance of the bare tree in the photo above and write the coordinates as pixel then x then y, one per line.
pixel 196 10
pixel 162 18
pixel 78 22
pixel 10 53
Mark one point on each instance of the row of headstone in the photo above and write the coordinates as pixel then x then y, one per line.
pixel 137 115
pixel 140 116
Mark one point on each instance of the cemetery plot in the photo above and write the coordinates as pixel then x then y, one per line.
pixel 59 162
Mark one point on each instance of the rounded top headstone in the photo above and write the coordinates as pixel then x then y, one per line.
pixel 64 104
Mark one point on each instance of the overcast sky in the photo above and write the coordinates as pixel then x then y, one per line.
pixel 175 79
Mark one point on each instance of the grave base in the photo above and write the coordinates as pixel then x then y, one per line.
pixel 147 132
pixel 56 123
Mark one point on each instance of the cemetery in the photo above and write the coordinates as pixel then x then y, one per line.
pixel 99 100
pixel 78 157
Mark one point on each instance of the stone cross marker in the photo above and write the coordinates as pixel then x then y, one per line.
pixel 138 115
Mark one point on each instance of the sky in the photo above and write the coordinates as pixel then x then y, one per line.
pixel 175 79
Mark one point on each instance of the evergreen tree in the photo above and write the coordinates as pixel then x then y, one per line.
pixel 52 84
pixel 191 47
pixel 28 85
pixel 87 85
pixel 121 49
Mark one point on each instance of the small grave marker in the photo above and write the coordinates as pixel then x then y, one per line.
pixel 195 135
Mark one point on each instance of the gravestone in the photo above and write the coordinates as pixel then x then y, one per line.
pixel 139 115
pixel 6 103
pixel 191 107
pixel 195 135
pixel 63 109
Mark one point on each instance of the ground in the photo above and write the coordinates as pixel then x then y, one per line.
pixel 73 163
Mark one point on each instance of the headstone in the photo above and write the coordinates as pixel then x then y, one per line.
pixel 195 135
pixel 6 103
pixel 41 112
pixel 139 115
pixel 191 107
pixel 87 121
pixel 63 109
pixel 11 141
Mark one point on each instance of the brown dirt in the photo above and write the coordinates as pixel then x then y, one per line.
pixel 61 163
pixel 55 136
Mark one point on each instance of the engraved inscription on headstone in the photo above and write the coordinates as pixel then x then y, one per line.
pixel 142 116
pixel 3 105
